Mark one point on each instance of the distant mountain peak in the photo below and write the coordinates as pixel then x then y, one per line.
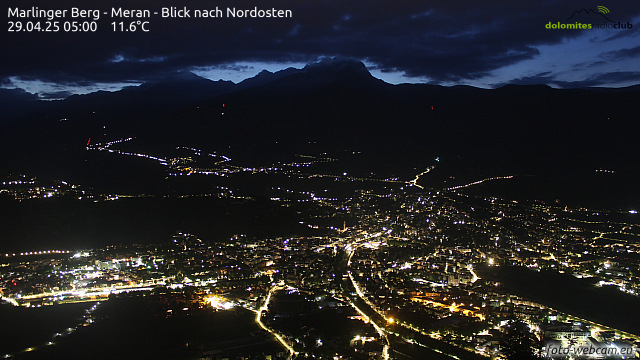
pixel 338 65
pixel 347 72
pixel 183 77
pixel 264 72
pixel 265 76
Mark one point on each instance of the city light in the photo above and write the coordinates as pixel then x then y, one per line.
pixel 218 302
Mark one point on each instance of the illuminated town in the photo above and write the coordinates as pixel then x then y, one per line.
pixel 337 180
pixel 397 269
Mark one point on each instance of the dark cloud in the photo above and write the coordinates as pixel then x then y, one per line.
pixel 610 56
pixel 592 64
pixel 232 67
pixel 439 40
pixel 601 79
pixel 55 95
pixel 540 78
pixel 621 54
pixel 631 33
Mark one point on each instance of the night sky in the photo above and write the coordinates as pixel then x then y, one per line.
pixel 485 44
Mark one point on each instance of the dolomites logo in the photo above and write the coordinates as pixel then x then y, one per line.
pixel 589 19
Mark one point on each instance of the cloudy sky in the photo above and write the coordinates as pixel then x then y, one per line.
pixel 447 42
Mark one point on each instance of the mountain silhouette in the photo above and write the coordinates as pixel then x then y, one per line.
pixel 329 106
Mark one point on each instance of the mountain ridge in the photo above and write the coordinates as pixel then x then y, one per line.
pixel 337 105
pixel 185 87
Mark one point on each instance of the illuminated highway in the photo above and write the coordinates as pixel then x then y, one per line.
pixel 481 181
pixel 93 292
pixel 414 182
pixel 345 296
pixel 265 307
pixel 384 328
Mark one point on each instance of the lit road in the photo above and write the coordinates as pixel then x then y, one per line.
pixel 402 334
pixel 10 300
pixel 414 182
pixel 481 181
pixel 368 314
pixel 93 292
pixel 475 276
pixel 265 307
